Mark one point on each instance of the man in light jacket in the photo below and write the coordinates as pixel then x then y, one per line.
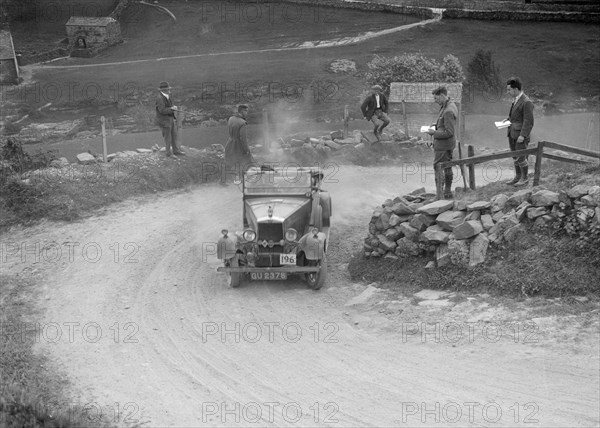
pixel 444 136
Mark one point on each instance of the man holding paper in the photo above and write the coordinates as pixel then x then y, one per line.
pixel 444 140
pixel 521 124
pixel 165 119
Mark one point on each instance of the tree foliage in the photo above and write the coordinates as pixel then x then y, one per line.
pixel 16 10
pixel 482 72
pixel 413 67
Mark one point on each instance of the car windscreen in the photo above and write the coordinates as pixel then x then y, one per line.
pixel 280 182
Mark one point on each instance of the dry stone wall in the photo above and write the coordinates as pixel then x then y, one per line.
pixel 473 9
pixel 460 232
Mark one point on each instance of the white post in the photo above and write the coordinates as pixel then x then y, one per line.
pixel 104 150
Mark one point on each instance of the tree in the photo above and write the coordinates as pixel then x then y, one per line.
pixel 482 72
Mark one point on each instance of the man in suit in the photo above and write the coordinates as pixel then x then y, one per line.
pixel 165 119
pixel 521 124
pixel 444 136
pixel 374 108
pixel 238 157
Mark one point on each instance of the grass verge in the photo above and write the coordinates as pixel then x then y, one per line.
pixel 32 392
pixel 75 191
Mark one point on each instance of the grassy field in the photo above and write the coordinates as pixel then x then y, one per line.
pixel 561 59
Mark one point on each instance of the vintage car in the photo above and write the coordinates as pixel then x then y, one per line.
pixel 286 219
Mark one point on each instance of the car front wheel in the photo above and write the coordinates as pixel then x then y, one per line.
pixel 316 280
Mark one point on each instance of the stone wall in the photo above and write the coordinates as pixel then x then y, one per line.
pixel 520 15
pixel 9 72
pixel 460 232
pixel 95 36
pixel 415 9
pixel 478 9
pixel 44 56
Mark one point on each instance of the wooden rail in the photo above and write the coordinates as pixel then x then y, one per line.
pixel 538 152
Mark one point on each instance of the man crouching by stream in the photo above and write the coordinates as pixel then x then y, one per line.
pixel 444 140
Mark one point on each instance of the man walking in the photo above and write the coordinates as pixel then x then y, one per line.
pixel 444 140
pixel 519 131
pixel 237 151
pixel 374 108
pixel 165 119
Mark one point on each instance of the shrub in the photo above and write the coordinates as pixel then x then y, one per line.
pixel 11 128
pixel 451 70
pixel 15 160
pixel 413 67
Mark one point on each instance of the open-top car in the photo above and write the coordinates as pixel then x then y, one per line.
pixel 286 219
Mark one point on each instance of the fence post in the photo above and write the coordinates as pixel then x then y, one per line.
pixel 439 181
pixel 104 148
pixel 538 163
pixel 346 119
pixel 266 130
pixel 590 134
pixel 405 119
pixel 471 167
pixel 462 167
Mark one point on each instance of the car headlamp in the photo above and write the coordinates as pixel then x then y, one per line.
pixel 291 234
pixel 249 235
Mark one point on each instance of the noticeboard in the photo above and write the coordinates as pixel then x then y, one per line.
pixel 420 92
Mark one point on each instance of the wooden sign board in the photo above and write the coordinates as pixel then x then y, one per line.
pixel 421 92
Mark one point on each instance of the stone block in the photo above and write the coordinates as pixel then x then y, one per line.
pixel 436 207
pixel 448 220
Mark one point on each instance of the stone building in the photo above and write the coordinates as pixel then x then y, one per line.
pixel 9 67
pixel 88 35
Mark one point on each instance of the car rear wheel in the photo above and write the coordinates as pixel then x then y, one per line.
pixel 233 278
pixel 316 280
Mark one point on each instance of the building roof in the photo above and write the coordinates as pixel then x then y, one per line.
pixel 90 21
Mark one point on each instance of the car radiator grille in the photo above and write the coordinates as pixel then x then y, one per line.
pixel 267 256
pixel 270 231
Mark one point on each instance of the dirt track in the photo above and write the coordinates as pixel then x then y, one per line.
pixel 179 348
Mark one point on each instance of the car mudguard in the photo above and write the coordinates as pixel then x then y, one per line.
pixel 313 246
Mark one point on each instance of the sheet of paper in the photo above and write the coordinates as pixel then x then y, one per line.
pixel 426 128
pixel 502 124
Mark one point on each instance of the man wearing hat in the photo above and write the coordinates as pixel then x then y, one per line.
pixel 165 119
pixel 444 136
pixel 238 157
pixel 374 108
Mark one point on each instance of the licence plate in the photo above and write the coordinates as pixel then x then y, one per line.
pixel 287 259
pixel 268 275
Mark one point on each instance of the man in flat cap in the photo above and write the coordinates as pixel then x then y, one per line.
pixel 374 108
pixel 165 119
pixel 444 136
pixel 238 157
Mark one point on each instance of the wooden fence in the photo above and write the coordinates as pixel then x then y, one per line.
pixel 538 152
